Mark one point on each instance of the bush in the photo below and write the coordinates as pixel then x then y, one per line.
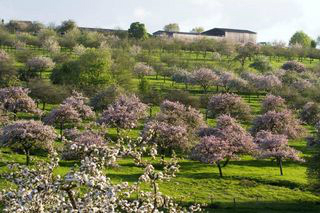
pixel 294 66
pixel 229 104
pixel 106 97
pixel 183 97
pixel 261 64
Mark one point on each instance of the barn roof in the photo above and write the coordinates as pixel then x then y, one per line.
pixel 101 30
pixel 173 32
pixel 214 30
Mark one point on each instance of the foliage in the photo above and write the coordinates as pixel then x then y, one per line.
pixel 173 27
pixel 89 72
pixel 137 30
pixel 197 30
pixel 106 97
pixel 229 104
pixel 261 64
pixel 282 122
pixel 301 38
pixel 8 74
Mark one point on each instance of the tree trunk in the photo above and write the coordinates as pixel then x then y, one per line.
pixel 73 202
pixel 280 165
pixel 27 152
pixel 220 170
pixel 43 106
pixel 61 131
pixel 226 162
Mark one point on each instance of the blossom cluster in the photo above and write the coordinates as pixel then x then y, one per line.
pixel 124 112
pixel 230 104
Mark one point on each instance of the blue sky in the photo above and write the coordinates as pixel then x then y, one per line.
pixel 272 19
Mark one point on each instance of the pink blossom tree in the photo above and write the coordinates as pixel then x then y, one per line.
pixel 294 66
pixel 141 70
pixel 273 103
pixel 38 64
pixel 310 113
pixel 16 99
pixel 62 115
pixel 282 122
pixel 85 143
pixel 212 150
pixel 229 104
pixel 27 135
pixel 205 78
pixel 124 113
pixel 275 146
pixel 236 139
pixel 79 103
pixel 174 127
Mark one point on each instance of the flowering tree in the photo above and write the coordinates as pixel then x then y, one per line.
pixel 28 135
pixel 204 77
pixel 62 115
pixel 50 44
pixel 124 112
pixel 103 99
pixel 174 127
pixel 182 76
pixel 212 150
pixel 310 113
pixel 294 66
pixel 268 82
pixel 39 64
pixel 273 103
pixel 230 136
pixel 78 102
pixel 141 70
pixel 230 104
pixel 278 123
pixel 81 144
pixel 65 193
pixel 16 99
pixel 275 146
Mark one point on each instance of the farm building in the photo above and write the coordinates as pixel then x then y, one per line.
pixel 235 35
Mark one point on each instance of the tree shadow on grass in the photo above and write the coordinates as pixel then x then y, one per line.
pixel 124 177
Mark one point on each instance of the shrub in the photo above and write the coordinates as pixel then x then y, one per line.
pixel 229 104
pixel 261 64
pixel 106 97
pixel 294 66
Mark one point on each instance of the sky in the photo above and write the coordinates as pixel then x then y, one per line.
pixel 273 20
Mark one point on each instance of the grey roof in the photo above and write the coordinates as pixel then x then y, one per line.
pixel 101 30
pixel 228 30
pixel 172 32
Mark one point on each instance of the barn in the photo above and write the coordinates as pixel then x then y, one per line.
pixel 234 35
